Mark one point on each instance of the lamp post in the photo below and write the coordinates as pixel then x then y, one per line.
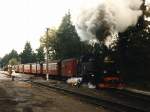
pixel 47 75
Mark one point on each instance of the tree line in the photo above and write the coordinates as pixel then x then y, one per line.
pixel 61 43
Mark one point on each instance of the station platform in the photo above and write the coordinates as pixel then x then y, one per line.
pixel 138 91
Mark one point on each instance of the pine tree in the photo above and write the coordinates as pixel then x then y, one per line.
pixel 40 56
pixel 27 56
pixel 133 49
pixel 12 55
pixel 67 40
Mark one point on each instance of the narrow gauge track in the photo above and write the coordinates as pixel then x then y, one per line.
pixel 141 99
pixel 138 100
pixel 133 94
pixel 114 106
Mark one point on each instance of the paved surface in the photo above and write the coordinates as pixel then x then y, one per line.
pixel 18 96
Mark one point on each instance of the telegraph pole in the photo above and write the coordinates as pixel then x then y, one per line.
pixel 47 75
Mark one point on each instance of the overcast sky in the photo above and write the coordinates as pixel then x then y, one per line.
pixel 26 20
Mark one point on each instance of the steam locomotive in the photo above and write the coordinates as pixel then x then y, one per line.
pixel 87 67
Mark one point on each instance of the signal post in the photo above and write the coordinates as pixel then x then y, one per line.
pixel 47 75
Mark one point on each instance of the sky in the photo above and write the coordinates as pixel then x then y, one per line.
pixel 27 20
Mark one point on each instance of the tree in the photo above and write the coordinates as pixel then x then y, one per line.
pixel 0 62
pixel 133 49
pixel 5 60
pixel 40 56
pixel 86 47
pixel 12 55
pixel 67 40
pixel 48 41
pixel 27 56
pixel 13 61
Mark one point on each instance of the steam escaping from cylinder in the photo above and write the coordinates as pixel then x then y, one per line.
pixel 99 19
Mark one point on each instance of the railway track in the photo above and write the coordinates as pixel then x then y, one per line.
pixel 135 95
pixel 111 105
pixel 114 106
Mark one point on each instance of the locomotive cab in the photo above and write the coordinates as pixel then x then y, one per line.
pixel 89 69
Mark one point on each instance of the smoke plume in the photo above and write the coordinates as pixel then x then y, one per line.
pixel 99 19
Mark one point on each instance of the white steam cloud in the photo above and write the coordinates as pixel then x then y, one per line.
pixel 100 18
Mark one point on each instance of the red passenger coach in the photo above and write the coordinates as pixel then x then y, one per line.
pixel 69 67
pixel 16 68
pixel 33 68
pixel 44 69
pixel 54 68
pixel 21 68
pixel 39 68
pixel 27 68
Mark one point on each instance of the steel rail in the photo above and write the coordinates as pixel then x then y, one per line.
pixel 114 106
pixel 111 105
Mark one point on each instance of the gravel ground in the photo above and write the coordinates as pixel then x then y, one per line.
pixel 17 96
